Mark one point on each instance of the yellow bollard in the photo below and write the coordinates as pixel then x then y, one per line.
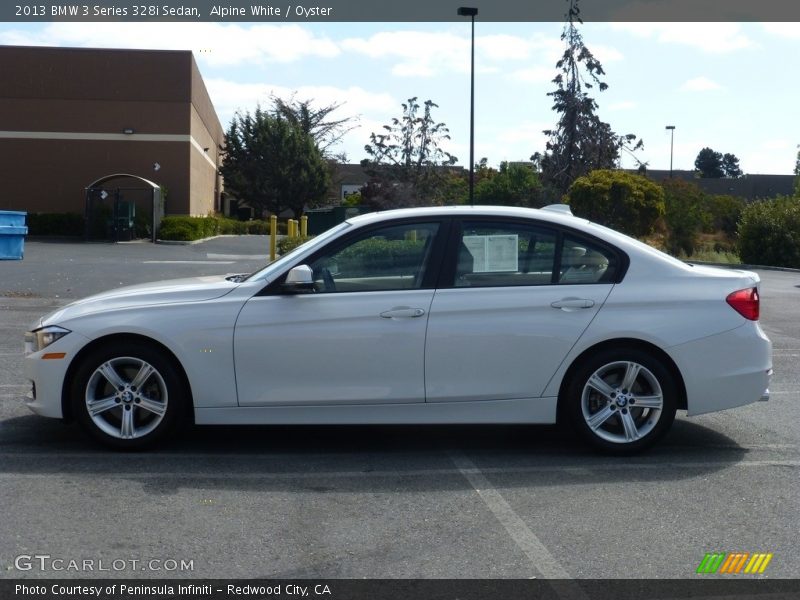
pixel 273 237
pixel 290 228
pixel 304 226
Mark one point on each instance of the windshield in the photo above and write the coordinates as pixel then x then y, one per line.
pixel 279 263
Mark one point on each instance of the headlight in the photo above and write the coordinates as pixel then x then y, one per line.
pixel 42 338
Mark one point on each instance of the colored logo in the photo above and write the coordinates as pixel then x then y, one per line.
pixel 734 563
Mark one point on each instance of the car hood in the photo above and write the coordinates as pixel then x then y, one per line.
pixel 194 289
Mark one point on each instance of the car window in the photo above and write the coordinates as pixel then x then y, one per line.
pixel 585 262
pixel 391 258
pixel 504 254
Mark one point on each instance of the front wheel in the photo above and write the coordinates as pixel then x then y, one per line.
pixel 128 396
pixel 622 401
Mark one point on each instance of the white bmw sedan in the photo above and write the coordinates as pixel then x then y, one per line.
pixel 430 315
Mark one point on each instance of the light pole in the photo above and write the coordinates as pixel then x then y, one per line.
pixel 671 142
pixel 465 11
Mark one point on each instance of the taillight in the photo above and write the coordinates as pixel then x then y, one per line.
pixel 745 302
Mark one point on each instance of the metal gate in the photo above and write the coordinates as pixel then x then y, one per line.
pixel 119 214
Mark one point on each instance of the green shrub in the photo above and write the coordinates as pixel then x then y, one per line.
pixel 685 215
pixel 287 244
pixel 723 213
pixel 257 227
pixel 231 226
pixel 769 233
pixel 196 228
pixel 67 224
pixel 623 201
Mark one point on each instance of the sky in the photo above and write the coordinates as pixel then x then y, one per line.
pixel 728 86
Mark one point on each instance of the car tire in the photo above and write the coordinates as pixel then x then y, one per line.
pixel 621 401
pixel 128 396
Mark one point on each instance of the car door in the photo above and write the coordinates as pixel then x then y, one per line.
pixel 359 337
pixel 515 299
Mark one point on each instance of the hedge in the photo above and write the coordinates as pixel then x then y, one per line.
pixel 67 224
pixel 184 228
pixel 769 233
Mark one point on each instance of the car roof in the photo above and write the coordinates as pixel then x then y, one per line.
pixel 543 214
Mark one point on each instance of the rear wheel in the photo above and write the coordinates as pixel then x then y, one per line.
pixel 128 396
pixel 622 400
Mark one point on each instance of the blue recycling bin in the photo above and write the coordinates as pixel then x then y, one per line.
pixel 12 234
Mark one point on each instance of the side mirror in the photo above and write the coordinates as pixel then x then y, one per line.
pixel 299 279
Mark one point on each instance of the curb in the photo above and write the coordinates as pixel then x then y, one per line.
pixel 200 241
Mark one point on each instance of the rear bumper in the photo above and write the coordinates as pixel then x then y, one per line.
pixel 726 370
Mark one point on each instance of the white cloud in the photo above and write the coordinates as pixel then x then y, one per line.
pixel 222 44
pixel 606 54
pixel 229 97
pixel 700 84
pixel 503 47
pixel 420 53
pixel 717 38
pixel 786 30
pixel 428 54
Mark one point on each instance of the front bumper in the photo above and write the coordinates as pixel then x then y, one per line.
pixel 47 375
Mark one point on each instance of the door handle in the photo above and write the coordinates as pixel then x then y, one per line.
pixel 402 312
pixel 570 304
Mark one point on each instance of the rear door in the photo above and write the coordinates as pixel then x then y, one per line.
pixel 516 297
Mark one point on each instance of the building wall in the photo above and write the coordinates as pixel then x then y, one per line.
pixel 52 175
pixel 208 137
pixel 62 116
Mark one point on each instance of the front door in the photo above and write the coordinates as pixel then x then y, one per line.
pixel 359 338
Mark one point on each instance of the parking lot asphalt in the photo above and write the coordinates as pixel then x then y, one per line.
pixel 393 502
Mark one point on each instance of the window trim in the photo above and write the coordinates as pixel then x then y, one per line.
pixel 448 271
pixel 432 270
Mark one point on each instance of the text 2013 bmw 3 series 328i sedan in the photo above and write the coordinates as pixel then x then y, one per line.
pixel 429 315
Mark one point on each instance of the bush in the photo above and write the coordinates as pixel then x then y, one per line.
pixel 184 228
pixel 623 201
pixel 182 232
pixel 288 244
pixel 257 227
pixel 68 224
pixel 769 233
pixel 685 215
pixel 724 213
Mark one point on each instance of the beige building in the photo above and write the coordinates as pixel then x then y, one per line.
pixel 73 116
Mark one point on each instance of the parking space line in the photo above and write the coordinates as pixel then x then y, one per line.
pixel 544 562
pixel 187 262
pixel 211 255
